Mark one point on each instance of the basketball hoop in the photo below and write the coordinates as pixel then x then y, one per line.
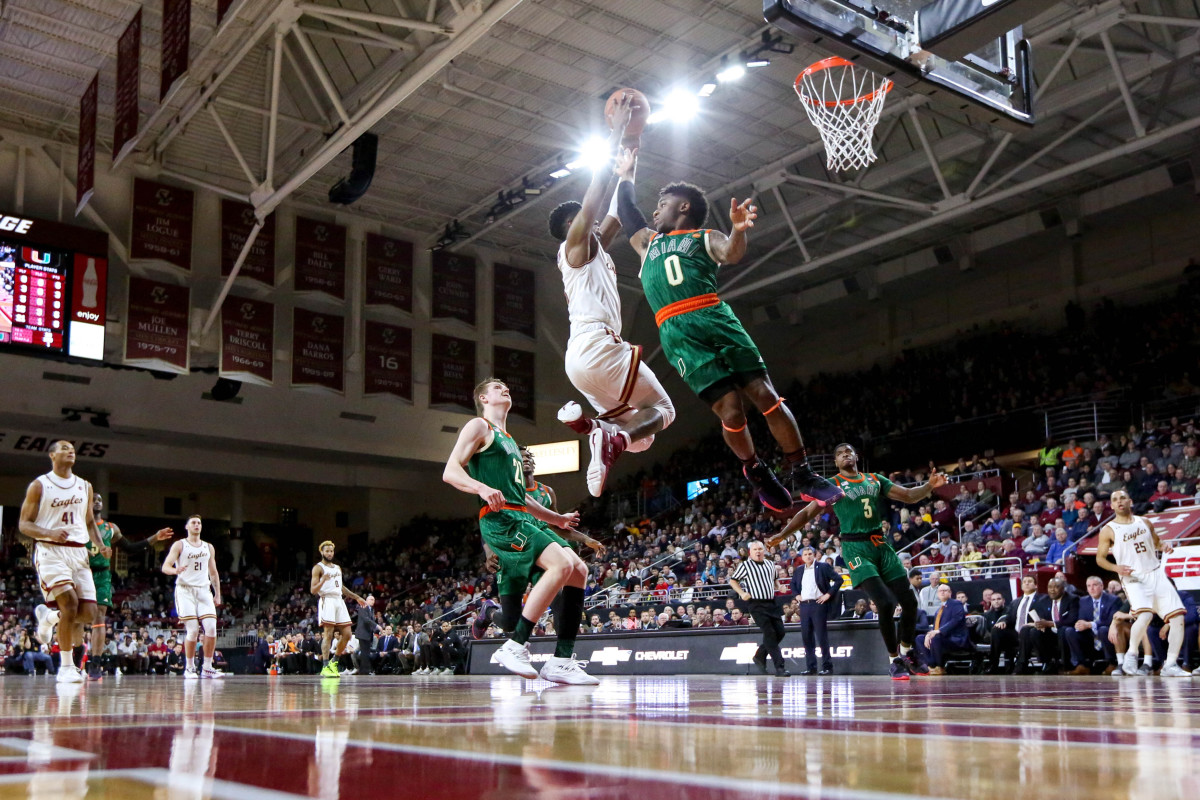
pixel 844 102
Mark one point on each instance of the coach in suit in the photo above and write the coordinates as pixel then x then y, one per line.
pixel 1006 632
pixel 1055 610
pixel 949 632
pixel 365 632
pixel 1087 640
pixel 815 585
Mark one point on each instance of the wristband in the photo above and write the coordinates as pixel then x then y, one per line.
pixel 612 207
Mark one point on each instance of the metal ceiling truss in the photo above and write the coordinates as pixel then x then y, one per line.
pixel 891 182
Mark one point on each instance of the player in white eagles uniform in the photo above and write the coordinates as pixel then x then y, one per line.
pixel 57 515
pixel 194 564
pixel 1133 544
pixel 332 613
pixel 608 371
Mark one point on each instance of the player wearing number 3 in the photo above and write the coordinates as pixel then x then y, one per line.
pixel 701 336
pixel 57 515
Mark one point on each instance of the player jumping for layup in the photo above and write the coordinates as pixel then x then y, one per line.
pixel 332 613
pixel 700 334
pixel 607 370
pixel 874 565
pixel 57 515
pixel 193 562
pixel 486 462
pixel 1134 545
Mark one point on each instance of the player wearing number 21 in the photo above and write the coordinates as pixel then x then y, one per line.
pixel 57 515
pixel 701 336
pixel 194 564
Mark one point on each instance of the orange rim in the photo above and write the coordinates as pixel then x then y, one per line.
pixel 829 63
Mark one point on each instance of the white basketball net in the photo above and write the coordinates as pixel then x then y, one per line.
pixel 844 102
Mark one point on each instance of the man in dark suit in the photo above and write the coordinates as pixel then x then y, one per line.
pixel 389 651
pixel 949 632
pixel 365 632
pixel 815 585
pixel 1055 610
pixel 1087 640
pixel 1006 633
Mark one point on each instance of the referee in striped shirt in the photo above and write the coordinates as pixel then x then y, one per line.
pixel 754 581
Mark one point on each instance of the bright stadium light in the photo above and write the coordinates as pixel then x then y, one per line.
pixel 679 106
pixel 733 72
pixel 593 154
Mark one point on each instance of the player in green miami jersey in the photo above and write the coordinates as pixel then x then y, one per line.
pixel 874 566
pixel 487 462
pixel 702 338
pixel 101 566
pixel 505 612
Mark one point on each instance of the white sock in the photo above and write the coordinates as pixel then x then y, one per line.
pixel 628 438
pixel 66 659
pixel 904 649
pixel 208 663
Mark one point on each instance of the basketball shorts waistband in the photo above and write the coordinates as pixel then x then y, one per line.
pixel 483 512
pixel 685 306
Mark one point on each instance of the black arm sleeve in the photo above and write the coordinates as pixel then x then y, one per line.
pixel 124 544
pixel 631 217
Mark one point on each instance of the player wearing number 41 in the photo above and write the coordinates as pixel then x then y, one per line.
pixel 631 404
pixel 874 566
pixel 57 515
pixel 1134 545
pixel 486 462
pixel 701 336
pixel 193 562
pixel 328 586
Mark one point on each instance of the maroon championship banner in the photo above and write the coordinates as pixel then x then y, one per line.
pixel 156 326
pixel 452 373
pixel 176 39
pixel 318 351
pixel 125 114
pixel 516 368
pixel 162 223
pixel 387 367
pixel 85 166
pixel 513 300
pixel 389 270
pixel 320 257
pixel 248 341
pixel 453 287
pixel 236 221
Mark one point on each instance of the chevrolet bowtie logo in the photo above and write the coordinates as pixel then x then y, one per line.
pixel 610 656
pixel 742 653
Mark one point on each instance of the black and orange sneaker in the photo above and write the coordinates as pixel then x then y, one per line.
pixel 912 660
pixel 482 620
pixel 771 493
pixel 899 670
pixel 813 488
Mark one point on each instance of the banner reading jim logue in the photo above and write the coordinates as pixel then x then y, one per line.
pixel 513 300
pixel 389 272
pixel 516 368
pixel 387 366
pixel 453 287
pixel 248 340
pixel 156 326
pixel 320 257
pixel 318 351
pixel 452 373
pixel 237 220
pixel 162 223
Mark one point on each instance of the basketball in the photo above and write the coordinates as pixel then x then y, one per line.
pixel 641 111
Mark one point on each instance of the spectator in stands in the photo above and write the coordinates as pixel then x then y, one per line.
pixel 1059 548
pixel 176 662
pixel 719 620
pixel 738 618
pixel 927 598
pixel 1071 455
pixel 943 515
pixel 1010 549
pixel 1037 543
pixel 1130 457
pixel 949 632
pixel 1190 463
pixel 994 612
pixel 1050 514
pixel 1163 494
pixel 1032 505
pixel 993 528
pixel 984 496
pixel 1049 455
pixel 860 609
pixel 971 558
pixel 1055 610
pixel 1015 525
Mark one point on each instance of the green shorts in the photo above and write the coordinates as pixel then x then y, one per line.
pixel 518 540
pixel 867 559
pixel 709 345
pixel 103 581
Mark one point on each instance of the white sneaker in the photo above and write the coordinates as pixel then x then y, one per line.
pixel 349 672
pixel 515 658
pixel 190 674
pixel 1130 665
pixel 605 446
pixel 71 675
pixel 1174 671
pixel 567 670
pixel 47 618
pixel 421 671
pixel 1143 670
pixel 447 671
pixel 209 672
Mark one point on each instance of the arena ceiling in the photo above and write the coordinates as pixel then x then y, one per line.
pixel 469 99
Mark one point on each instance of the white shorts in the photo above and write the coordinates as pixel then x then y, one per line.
pixel 1152 592
pixel 332 611
pixel 60 567
pixel 609 372
pixel 192 602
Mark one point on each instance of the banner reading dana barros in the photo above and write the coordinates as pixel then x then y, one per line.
pixel 248 341
pixel 452 373
pixel 156 326
pixel 318 351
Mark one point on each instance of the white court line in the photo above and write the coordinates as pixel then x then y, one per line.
pixel 40 751
pixel 161 778
pixel 724 783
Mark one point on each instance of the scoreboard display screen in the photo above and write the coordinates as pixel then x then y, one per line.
pixel 52 294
